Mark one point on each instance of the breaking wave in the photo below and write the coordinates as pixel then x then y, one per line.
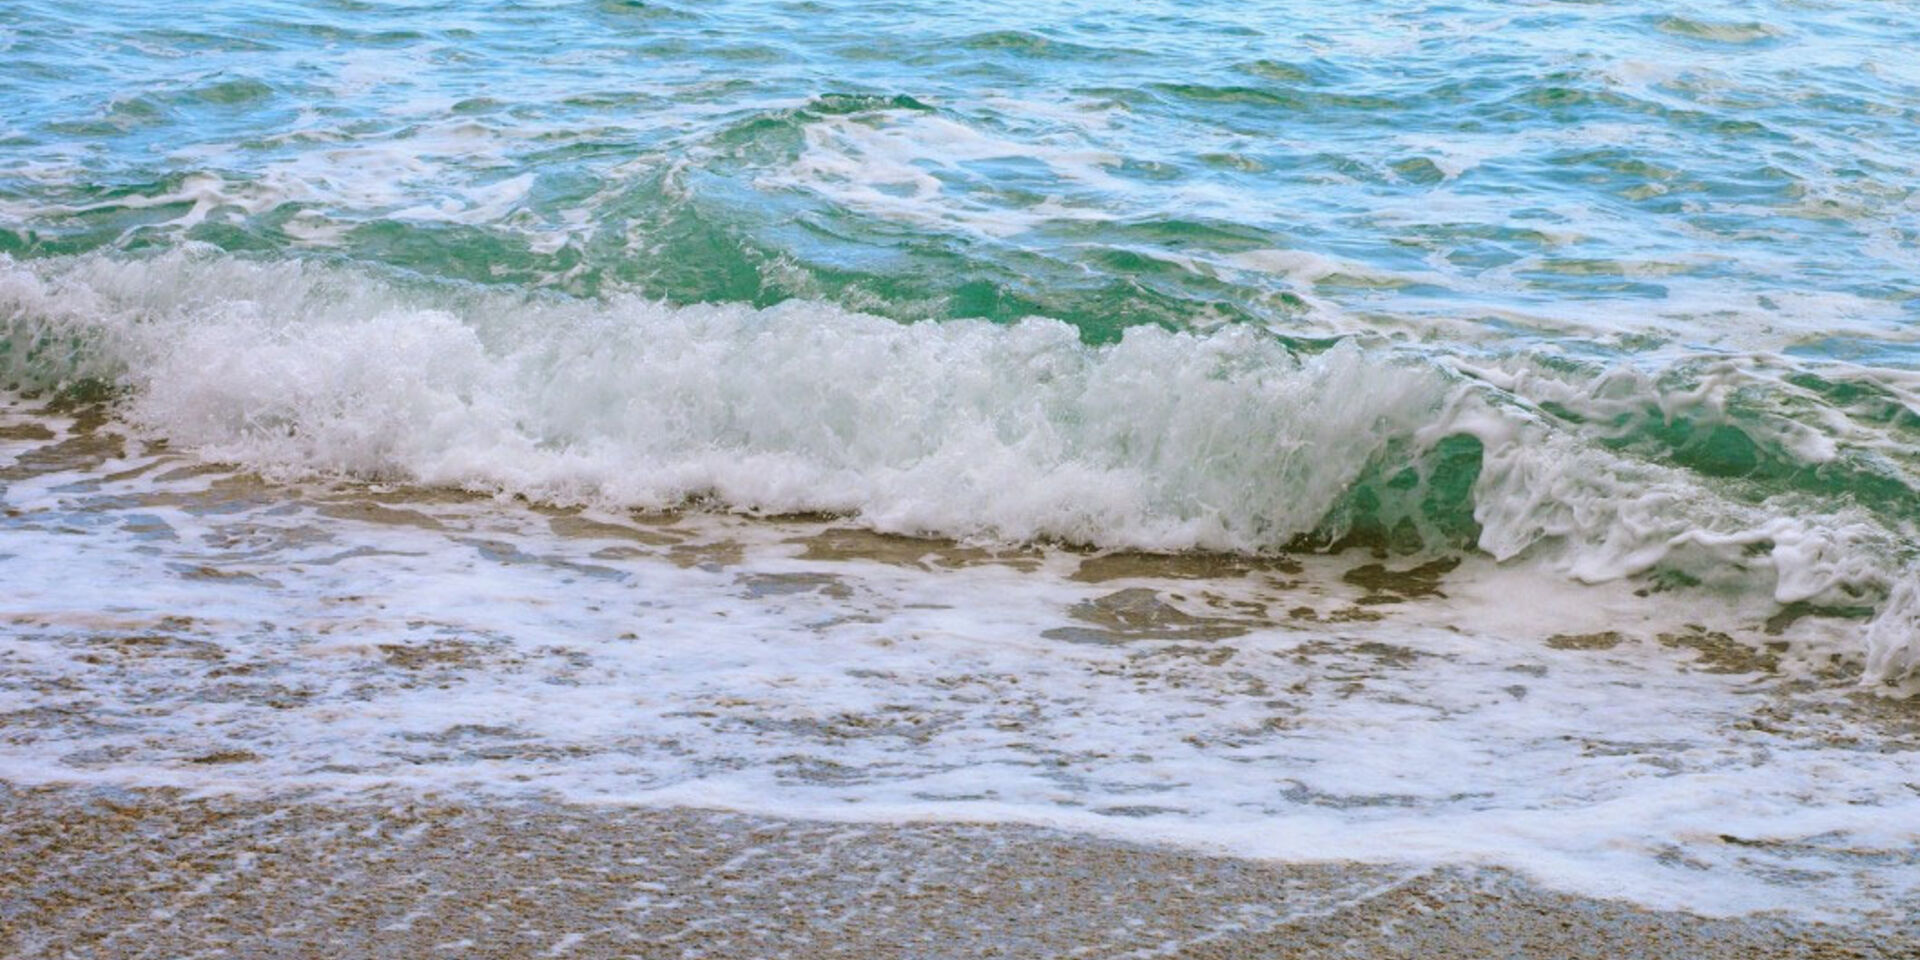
pixel 1741 475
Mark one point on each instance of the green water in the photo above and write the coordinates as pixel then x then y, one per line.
pixel 1622 288
pixel 1467 433
pixel 1432 171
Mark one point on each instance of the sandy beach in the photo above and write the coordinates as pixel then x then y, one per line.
pixel 1056 480
pixel 153 874
pixel 413 723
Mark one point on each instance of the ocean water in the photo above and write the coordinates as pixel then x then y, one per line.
pixel 1414 433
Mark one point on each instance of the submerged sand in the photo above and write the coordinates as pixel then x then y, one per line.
pixel 92 873
pixel 1205 652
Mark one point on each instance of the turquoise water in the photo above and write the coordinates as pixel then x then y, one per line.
pixel 1471 434
pixel 1619 288
pixel 1617 174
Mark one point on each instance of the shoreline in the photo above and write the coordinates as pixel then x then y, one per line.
pixel 118 873
pixel 280 638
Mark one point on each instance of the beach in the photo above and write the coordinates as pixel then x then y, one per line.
pixel 507 689
pixel 901 479
pixel 142 874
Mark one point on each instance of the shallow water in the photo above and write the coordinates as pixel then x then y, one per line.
pixel 1416 433
pixel 171 624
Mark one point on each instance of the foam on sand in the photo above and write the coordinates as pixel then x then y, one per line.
pixel 1227 441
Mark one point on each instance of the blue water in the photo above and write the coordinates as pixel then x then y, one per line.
pixel 1622 288
pixel 1475 434
pixel 1718 174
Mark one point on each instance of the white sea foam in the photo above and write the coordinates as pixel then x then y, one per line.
pixel 896 165
pixel 1892 650
pixel 1164 441
pixel 340 638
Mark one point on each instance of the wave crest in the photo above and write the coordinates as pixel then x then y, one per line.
pixel 1229 440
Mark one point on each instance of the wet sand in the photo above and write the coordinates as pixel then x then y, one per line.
pixel 113 872
pixel 108 874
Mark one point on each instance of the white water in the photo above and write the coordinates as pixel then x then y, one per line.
pixel 1223 441
pixel 192 628
pixel 1564 237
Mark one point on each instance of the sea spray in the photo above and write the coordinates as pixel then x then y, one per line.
pixel 1452 436
pixel 1225 441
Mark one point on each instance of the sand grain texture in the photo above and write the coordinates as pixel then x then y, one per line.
pixel 149 874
